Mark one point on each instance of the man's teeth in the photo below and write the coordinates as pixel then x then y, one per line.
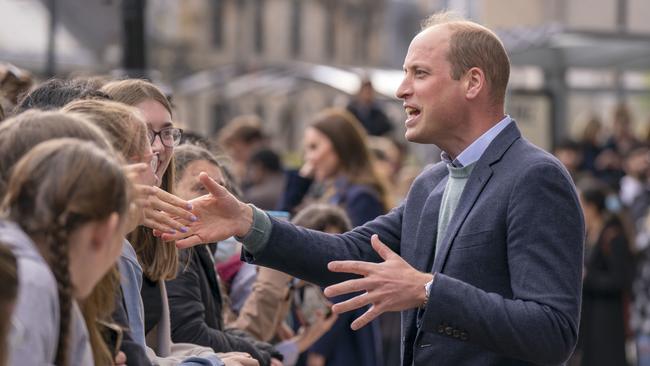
pixel 411 111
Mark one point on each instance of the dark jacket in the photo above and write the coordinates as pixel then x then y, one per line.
pixel 508 272
pixel 195 308
pixel 607 280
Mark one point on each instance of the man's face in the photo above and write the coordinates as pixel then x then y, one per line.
pixel 431 97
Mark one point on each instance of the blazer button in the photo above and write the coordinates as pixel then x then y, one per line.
pixel 441 328
pixel 456 333
pixel 449 330
pixel 463 336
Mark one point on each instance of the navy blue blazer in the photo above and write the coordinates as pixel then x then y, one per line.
pixel 508 275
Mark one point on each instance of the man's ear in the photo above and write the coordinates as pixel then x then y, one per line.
pixel 105 230
pixel 474 82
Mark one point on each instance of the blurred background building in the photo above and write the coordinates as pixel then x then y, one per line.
pixel 287 59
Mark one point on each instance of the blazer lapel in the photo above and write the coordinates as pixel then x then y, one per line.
pixel 427 230
pixel 477 181
pixel 480 176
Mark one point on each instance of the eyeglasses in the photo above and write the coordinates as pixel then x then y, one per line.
pixel 169 136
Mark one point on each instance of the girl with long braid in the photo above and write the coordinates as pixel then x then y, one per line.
pixel 62 213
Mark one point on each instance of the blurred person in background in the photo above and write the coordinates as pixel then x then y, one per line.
pixel 635 185
pixel 240 139
pixel 338 159
pixel 568 152
pixel 607 278
pixel 640 315
pixel 366 109
pixel 591 144
pixel 265 180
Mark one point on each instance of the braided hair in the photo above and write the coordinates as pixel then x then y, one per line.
pixel 54 189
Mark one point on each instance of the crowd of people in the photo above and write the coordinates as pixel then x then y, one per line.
pixel 105 166
pixel 98 178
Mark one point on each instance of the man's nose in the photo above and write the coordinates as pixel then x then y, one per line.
pixel 404 89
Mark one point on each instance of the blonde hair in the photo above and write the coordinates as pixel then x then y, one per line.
pixel 54 189
pixel 159 259
pixel 473 45
pixel 122 124
pixel 127 132
pixel 21 133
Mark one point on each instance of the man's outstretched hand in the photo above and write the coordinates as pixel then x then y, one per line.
pixel 392 285
pixel 220 216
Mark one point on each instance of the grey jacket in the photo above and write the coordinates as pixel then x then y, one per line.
pixel 34 336
pixel 507 288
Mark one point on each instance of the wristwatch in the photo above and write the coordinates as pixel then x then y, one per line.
pixel 427 292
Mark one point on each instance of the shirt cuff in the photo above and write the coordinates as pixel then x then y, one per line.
pixel 257 237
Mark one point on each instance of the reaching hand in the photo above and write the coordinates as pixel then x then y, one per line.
pixel 220 216
pixel 237 359
pixel 392 285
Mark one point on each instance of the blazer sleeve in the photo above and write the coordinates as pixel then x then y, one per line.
pixel 544 240
pixel 308 261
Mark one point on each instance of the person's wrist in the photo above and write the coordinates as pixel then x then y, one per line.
pixel 246 222
pixel 425 289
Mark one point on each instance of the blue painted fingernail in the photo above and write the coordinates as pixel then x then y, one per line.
pixel 194 218
pixel 189 206
pixel 172 231
pixel 184 229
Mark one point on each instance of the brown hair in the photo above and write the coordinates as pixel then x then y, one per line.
pixel 159 260
pixel 320 216
pixel 349 141
pixel 8 294
pixel 24 131
pixel 246 128
pixel 50 205
pixel 17 137
pixel 186 154
pixel 473 45
pixel 123 125
pixel 127 132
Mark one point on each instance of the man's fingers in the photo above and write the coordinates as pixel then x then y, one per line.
pixel 213 187
pixel 188 242
pixel 351 304
pixel 381 248
pixel 356 267
pixel 366 318
pixel 360 284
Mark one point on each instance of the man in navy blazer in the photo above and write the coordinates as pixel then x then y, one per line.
pixel 502 286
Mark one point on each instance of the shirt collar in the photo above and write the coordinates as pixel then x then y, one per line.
pixel 476 149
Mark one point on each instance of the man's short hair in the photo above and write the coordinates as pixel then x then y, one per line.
pixel 473 45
